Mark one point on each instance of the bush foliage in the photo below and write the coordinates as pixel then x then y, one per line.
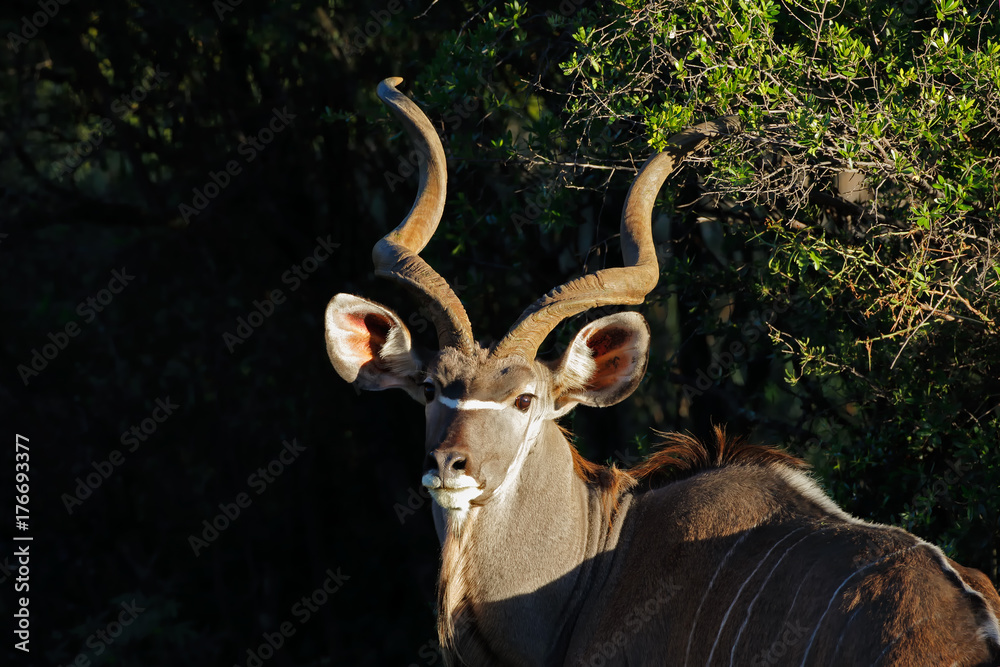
pixel 831 275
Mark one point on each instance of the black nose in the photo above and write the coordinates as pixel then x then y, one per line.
pixel 450 463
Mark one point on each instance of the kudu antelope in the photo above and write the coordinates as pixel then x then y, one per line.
pixel 738 558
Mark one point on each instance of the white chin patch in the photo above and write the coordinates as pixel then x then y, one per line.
pixel 457 495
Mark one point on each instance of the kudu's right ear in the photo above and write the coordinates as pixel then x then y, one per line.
pixel 370 346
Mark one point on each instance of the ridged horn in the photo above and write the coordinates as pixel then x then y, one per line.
pixel 626 285
pixel 396 255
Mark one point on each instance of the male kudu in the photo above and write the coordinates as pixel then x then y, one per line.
pixel 548 559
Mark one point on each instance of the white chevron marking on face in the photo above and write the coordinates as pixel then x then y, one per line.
pixel 457 495
pixel 470 404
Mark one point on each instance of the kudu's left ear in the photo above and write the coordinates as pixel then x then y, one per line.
pixel 369 345
pixel 604 363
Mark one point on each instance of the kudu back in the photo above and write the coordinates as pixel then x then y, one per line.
pixel 737 558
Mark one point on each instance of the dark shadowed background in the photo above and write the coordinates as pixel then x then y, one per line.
pixel 184 186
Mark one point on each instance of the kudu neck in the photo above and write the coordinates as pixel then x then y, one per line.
pixel 524 563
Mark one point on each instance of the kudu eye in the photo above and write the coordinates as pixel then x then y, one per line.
pixel 428 391
pixel 523 402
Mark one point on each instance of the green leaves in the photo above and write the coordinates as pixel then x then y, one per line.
pixel 865 191
pixel 945 8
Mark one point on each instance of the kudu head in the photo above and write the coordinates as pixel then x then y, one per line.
pixel 485 407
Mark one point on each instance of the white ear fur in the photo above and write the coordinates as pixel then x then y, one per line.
pixel 369 345
pixel 604 363
pixel 578 364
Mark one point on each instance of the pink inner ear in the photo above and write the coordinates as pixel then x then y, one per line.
pixel 368 334
pixel 607 346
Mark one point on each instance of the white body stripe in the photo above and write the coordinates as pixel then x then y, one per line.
pixel 694 622
pixel 836 593
pixel 843 633
pixel 739 591
pixel 732 652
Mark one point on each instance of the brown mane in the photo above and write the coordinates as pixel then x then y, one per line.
pixel 611 482
pixel 678 456
pixel 681 455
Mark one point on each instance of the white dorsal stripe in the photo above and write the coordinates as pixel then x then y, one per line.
pixel 470 404
pixel 990 629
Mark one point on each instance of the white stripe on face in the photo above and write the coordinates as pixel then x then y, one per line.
pixel 469 404
pixel 514 469
pixel 476 404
